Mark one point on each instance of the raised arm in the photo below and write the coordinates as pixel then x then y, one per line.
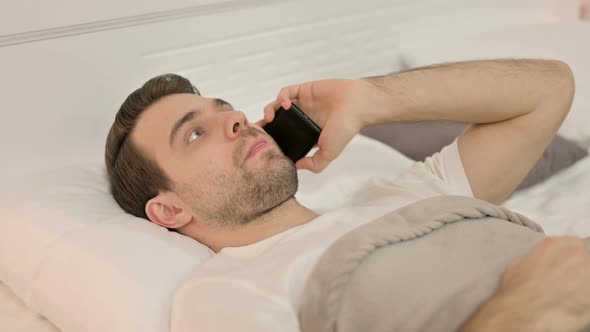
pixel 516 107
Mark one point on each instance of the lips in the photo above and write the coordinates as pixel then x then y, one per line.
pixel 260 143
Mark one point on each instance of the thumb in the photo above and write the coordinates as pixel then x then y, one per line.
pixel 316 163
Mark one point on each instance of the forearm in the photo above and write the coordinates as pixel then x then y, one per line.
pixel 472 92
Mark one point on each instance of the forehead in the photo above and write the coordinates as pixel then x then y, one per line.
pixel 153 126
pixel 170 108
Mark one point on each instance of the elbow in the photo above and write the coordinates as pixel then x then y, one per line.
pixel 565 85
pixel 556 92
pixel 567 75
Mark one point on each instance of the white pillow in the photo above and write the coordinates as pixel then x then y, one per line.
pixel 71 254
pixel 567 41
pixel 75 257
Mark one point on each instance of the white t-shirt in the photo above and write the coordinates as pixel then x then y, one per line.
pixel 258 287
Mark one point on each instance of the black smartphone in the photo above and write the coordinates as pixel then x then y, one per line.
pixel 295 133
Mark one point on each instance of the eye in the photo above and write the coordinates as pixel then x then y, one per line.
pixel 194 134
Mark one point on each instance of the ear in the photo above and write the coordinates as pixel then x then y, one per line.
pixel 168 210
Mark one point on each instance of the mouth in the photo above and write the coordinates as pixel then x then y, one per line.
pixel 258 145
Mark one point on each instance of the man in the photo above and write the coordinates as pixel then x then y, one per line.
pixel 197 166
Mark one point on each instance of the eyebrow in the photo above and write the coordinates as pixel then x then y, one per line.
pixel 181 122
pixel 188 117
pixel 220 102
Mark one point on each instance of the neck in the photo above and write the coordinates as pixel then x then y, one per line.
pixel 285 216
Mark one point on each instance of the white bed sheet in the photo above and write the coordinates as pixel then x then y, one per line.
pixel 561 204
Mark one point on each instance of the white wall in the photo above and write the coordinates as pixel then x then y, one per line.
pixel 32 15
pixel 62 85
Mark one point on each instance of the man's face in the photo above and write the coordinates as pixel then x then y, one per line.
pixel 202 144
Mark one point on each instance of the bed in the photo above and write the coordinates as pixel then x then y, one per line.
pixel 549 204
pixel 69 72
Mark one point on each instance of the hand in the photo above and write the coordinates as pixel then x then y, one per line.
pixel 547 290
pixel 335 105
pixel 554 281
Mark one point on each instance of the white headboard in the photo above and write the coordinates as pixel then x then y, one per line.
pixel 67 65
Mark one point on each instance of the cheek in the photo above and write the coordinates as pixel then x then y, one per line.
pixel 206 167
pixel 206 163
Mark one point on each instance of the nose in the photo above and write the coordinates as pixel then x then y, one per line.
pixel 236 121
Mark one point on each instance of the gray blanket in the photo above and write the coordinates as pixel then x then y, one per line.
pixel 425 267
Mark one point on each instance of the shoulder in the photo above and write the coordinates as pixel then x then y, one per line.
pixel 442 173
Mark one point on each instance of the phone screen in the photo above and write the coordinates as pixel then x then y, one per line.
pixel 295 133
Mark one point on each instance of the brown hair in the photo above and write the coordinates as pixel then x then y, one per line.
pixel 134 177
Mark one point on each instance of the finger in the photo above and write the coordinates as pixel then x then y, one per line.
pixel 316 163
pixel 270 109
pixel 286 104
pixel 261 123
pixel 557 245
pixel 305 163
pixel 287 94
pixel 556 250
